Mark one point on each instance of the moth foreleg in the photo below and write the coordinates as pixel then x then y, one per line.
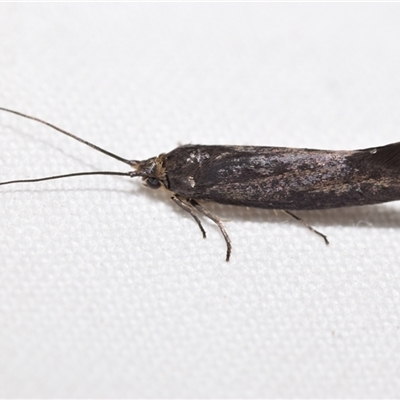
pixel 307 226
pixel 215 219
pixel 189 208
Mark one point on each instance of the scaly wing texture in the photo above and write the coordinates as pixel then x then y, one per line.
pixel 285 178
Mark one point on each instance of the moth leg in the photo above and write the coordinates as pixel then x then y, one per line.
pixel 189 209
pixel 307 226
pixel 215 219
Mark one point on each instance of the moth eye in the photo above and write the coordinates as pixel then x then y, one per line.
pixel 153 183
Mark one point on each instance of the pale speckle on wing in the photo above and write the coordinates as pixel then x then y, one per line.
pixel 192 182
pixel 198 156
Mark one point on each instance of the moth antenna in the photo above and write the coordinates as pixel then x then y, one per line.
pixel 48 178
pixel 93 146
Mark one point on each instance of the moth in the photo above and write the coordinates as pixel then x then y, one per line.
pixel 278 178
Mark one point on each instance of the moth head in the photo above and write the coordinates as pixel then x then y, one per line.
pixel 152 171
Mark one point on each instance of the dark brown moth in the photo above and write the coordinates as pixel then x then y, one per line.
pixel 265 177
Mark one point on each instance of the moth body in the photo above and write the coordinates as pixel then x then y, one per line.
pixel 279 177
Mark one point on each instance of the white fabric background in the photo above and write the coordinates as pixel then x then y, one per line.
pixel 107 288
